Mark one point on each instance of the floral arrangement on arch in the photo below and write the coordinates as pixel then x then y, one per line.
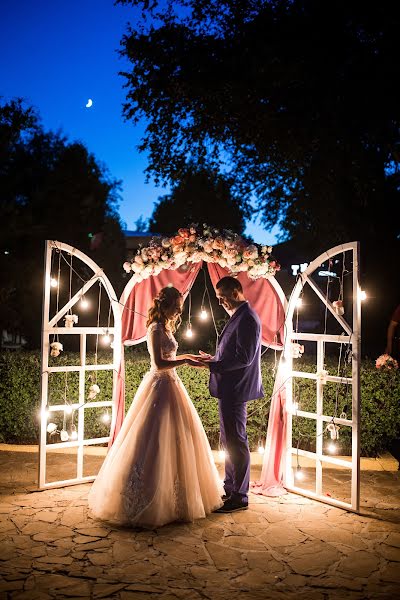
pixel 386 362
pixel 196 243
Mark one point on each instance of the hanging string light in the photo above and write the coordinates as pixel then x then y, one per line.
pixel 106 339
pixel 84 303
pixel 299 474
pixel 189 331
pixel 70 318
pixel 203 313
pixel 74 433
pixel 106 418
pixel 53 282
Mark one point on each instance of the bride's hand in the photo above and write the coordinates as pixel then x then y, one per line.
pixel 192 356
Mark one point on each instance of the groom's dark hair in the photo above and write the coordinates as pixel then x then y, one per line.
pixel 229 284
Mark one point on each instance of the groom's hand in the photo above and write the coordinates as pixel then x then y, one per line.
pixel 196 363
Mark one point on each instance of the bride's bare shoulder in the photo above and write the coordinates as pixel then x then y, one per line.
pixel 155 326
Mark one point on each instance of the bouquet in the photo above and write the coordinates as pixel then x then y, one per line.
pixel 386 362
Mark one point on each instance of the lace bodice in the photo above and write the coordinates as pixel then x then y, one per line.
pixel 169 344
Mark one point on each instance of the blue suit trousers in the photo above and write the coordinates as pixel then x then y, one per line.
pixel 233 417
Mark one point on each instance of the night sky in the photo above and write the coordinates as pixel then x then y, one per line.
pixel 57 55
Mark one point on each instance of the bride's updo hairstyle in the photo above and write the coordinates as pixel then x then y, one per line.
pixel 166 299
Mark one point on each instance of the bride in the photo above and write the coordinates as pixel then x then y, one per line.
pixel 160 468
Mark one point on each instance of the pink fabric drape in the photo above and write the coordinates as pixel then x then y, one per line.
pixel 134 318
pixel 271 480
pixel 263 299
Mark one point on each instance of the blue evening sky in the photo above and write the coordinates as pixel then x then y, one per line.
pixel 57 55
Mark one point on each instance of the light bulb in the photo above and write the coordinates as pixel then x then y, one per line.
pixel 331 447
pixel 68 409
pixel 53 282
pixel 74 435
pixel 260 449
pixel 84 303
pixel 363 295
pixel 106 417
pixel 222 454
pixel 299 475
pixel 299 302
pixel 203 314
pixel 106 339
pixel 189 332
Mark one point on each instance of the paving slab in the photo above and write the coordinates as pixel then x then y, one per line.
pixel 289 547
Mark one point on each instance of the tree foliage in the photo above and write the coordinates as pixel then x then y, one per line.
pixel 199 196
pixel 49 189
pixel 298 97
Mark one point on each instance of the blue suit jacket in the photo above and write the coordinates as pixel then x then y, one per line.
pixel 235 370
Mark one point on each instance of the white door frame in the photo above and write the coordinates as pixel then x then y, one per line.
pixel 352 337
pixel 50 328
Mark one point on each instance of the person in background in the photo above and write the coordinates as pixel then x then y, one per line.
pixel 393 335
pixel 393 349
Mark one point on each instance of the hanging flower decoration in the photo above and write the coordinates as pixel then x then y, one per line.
pixel 386 362
pixel 56 348
pixel 93 391
pixel 338 306
pixel 70 320
pixel 196 243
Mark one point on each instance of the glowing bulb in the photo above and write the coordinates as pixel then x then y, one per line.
pixel 363 295
pixel 84 303
pixel 331 447
pixel 299 475
pixel 106 338
pixel 260 449
pixel 44 414
pixel 189 332
pixel 74 435
pixel 53 282
pixel 299 302
pixel 68 409
pixel 222 454
pixel 106 417
pixel 203 314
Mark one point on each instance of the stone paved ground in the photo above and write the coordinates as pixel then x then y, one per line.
pixel 285 548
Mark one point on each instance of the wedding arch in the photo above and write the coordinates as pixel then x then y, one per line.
pixel 177 261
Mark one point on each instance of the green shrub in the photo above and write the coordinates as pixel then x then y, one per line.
pixel 380 395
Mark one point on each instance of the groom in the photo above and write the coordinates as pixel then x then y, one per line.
pixel 235 378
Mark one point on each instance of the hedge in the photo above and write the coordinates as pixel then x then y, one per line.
pixel 380 395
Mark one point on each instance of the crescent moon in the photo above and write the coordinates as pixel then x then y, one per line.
pixel 89 103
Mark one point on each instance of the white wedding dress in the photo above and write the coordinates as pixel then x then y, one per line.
pixel 160 468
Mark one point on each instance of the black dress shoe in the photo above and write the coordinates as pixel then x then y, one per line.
pixel 232 505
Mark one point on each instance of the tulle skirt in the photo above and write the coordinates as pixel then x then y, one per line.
pixel 160 468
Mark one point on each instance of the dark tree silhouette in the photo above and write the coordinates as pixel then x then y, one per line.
pixel 300 97
pixel 199 197
pixel 49 189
